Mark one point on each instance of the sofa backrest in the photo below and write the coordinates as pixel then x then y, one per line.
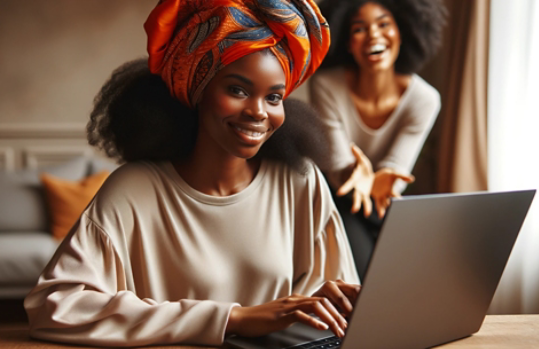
pixel 22 202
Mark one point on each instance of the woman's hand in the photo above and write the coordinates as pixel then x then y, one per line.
pixel 361 181
pixel 341 294
pixel 281 313
pixel 382 188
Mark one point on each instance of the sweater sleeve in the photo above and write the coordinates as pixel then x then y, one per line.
pixel 82 297
pixel 322 253
pixel 416 126
pixel 327 104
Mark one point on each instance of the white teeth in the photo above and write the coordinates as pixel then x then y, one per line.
pixel 249 132
pixel 377 48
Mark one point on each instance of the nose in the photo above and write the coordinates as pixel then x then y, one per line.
pixel 256 109
pixel 374 31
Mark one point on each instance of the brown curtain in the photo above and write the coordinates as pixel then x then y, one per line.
pixel 463 134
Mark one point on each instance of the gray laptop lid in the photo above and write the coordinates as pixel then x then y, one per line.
pixel 433 273
pixel 436 266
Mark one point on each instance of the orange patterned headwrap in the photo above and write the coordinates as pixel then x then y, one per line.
pixel 190 40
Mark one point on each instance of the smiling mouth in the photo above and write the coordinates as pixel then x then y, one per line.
pixel 376 49
pixel 249 136
pixel 249 133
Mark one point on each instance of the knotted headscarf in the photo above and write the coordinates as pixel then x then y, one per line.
pixel 190 40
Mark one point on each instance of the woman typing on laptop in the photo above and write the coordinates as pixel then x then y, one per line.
pixel 216 224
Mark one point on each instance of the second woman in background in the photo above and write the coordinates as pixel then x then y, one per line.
pixel 377 112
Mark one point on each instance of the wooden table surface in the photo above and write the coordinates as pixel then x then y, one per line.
pixel 497 332
pixel 502 331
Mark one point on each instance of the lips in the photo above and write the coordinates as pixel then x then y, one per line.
pixel 376 49
pixel 249 134
pixel 376 52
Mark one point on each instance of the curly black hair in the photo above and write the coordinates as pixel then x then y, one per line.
pixel 420 23
pixel 135 118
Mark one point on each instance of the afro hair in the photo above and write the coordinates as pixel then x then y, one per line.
pixel 135 118
pixel 420 23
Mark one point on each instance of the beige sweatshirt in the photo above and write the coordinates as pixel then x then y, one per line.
pixel 395 145
pixel 153 261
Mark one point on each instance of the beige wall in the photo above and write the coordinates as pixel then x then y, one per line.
pixel 56 54
pixel 54 57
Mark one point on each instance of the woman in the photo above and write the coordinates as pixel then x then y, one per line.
pixel 377 112
pixel 217 234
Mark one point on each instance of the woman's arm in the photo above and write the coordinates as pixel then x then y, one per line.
pixel 417 121
pixel 322 253
pixel 326 101
pixel 279 314
pixel 83 297
pixel 350 170
pixel 393 171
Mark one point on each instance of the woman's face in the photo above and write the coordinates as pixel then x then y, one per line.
pixel 242 105
pixel 374 38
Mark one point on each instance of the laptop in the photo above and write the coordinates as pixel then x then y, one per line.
pixel 432 275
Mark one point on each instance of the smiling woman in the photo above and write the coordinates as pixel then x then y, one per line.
pixel 217 224
pixel 240 110
pixel 241 107
pixel 375 38
pixel 376 111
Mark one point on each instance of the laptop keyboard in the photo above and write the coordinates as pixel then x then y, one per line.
pixel 324 343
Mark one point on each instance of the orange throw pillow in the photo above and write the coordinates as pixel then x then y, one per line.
pixel 67 200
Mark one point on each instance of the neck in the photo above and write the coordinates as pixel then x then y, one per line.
pixel 216 173
pixel 374 86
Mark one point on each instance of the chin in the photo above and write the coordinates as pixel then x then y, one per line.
pixel 377 68
pixel 246 153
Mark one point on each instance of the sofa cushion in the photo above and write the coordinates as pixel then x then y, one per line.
pixel 22 202
pixel 66 200
pixel 23 256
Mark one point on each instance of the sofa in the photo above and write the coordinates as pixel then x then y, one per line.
pixel 26 243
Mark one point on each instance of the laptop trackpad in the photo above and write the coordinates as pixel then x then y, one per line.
pixel 296 334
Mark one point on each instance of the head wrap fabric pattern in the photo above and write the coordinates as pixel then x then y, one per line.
pixel 190 40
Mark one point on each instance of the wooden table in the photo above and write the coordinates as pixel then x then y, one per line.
pixel 502 331
pixel 497 332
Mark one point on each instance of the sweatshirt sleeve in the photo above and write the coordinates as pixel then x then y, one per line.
pixel 82 298
pixel 321 251
pixel 327 103
pixel 406 146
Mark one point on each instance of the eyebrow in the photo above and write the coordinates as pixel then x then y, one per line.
pixel 278 87
pixel 362 21
pixel 241 78
pixel 250 83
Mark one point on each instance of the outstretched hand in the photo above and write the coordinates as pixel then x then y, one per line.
pixel 360 181
pixel 382 188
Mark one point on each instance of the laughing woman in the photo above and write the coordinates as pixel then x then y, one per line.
pixel 377 112
pixel 216 224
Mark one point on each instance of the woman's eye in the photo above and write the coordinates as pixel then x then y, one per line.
pixel 384 24
pixel 237 91
pixel 275 98
pixel 358 30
